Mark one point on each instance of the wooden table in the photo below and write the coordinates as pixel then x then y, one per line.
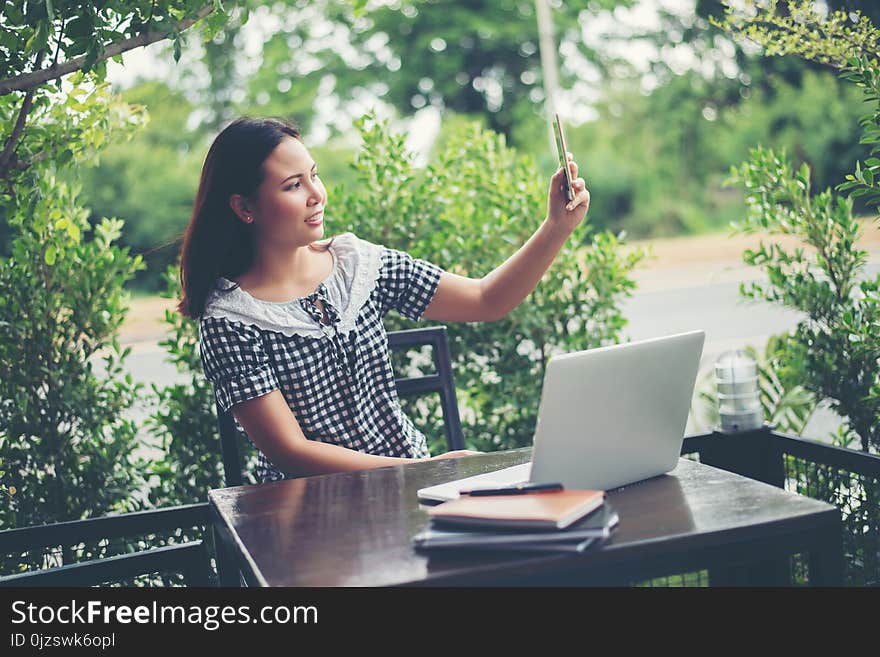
pixel 356 529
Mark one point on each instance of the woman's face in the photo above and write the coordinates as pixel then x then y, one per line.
pixel 290 201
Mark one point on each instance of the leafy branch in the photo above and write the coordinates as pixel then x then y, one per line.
pixel 846 41
pixel 834 351
pixel 25 81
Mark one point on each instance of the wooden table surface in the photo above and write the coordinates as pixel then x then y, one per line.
pixel 356 529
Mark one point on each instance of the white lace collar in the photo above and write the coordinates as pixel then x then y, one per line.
pixel 356 266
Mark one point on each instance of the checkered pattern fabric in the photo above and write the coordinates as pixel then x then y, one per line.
pixel 340 386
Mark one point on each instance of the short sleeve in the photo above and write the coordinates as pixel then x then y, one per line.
pixel 406 284
pixel 235 361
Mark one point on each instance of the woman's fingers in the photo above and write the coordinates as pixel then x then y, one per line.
pixel 581 194
pixel 578 185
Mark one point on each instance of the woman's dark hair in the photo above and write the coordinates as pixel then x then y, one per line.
pixel 217 243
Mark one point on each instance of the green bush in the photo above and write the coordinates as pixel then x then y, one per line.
pixel 66 449
pixel 835 351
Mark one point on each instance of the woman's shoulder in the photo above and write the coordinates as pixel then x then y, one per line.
pixel 356 258
pixel 349 242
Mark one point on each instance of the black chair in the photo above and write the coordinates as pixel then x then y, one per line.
pixel 441 382
pixel 189 559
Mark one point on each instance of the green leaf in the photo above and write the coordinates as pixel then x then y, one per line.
pixel 39 38
pixel 13 12
pixel 51 255
pixel 79 27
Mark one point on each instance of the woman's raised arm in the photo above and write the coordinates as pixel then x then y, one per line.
pixel 461 299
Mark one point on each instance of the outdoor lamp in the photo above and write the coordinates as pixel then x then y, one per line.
pixel 739 403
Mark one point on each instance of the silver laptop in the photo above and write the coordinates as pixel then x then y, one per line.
pixel 608 417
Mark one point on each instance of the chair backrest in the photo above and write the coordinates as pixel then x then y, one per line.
pixel 441 382
pixel 189 559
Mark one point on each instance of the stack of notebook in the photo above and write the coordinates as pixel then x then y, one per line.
pixel 540 521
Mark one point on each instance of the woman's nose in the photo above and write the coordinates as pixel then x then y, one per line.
pixel 316 193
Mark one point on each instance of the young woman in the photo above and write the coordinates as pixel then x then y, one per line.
pixel 291 330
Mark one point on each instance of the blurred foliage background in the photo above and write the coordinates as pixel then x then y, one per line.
pixel 658 103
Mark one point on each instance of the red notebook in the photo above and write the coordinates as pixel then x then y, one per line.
pixel 539 510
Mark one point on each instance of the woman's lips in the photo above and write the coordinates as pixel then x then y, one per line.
pixel 316 219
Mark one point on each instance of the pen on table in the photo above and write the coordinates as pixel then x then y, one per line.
pixel 516 489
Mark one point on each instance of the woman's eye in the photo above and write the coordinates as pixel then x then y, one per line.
pixel 296 185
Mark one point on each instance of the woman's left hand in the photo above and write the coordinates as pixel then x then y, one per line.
pixel 559 210
pixel 454 454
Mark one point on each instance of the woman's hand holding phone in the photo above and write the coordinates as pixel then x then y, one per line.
pixel 568 199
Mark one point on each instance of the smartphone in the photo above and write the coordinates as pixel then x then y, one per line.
pixel 560 152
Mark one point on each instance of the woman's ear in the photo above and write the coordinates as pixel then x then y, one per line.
pixel 241 208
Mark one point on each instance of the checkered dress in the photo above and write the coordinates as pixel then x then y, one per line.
pixel 336 378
